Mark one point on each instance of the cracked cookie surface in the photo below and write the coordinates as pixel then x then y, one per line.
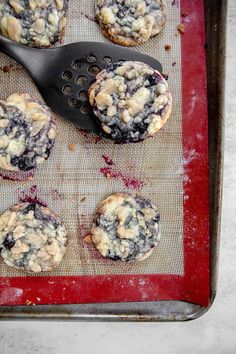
pixel 126 228
pixel 130 22
pixel 27 133
pixel 37 23
pixel 32 238
pixel 131 100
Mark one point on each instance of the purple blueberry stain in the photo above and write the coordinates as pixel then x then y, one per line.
pixel 9 242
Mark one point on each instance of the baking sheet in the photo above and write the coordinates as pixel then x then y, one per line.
pixel 158 168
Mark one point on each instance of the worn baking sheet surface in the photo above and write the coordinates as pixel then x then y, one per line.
pixel 158 169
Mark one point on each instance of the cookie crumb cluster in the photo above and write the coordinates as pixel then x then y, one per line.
pixel 181 28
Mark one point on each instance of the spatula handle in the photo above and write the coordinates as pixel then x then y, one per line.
pixel 26 56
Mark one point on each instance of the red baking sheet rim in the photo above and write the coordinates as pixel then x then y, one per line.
pixel 194 285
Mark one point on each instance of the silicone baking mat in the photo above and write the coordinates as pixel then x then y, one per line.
pixel 171 169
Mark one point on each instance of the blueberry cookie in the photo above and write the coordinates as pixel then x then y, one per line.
pixel 130 22
pixel 126 228
pixel 131 101
pixel 32 238
pixel 37 23
pixel 27 133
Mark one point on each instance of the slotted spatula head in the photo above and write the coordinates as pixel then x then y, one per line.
pixel 64 74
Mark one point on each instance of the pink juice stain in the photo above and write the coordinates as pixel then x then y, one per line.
pixel 35 194
pixel 108 160
pixel 15 176
pixel 112 172
pixel 29 195
pixel 89 136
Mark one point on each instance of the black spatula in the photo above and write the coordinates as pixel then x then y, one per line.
pixel 64 74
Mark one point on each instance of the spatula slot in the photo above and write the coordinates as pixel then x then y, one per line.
pixel 67 90
pixel 77 64
pixel 85 109
pixel 67 75
pixel 82 80
pixel 107 60
pixel 73 102
pixel 93 70
pixel 91 59
pixel 83 96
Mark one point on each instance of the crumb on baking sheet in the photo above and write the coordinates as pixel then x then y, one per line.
pixel 174 63
pixel 181 28
pixel 87 239
pixel 8 68
pixel 29 303
pixel 72 147
pixel 167 47
pixel 82 199
pixel 59 167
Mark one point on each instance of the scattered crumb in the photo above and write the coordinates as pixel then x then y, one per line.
pixel 88 239
pixel 184 14
pixel 167 47
pixel 8 68
pixel 82 200
pixel 59 167
pixel 174 63
pixel 28 303
pixel 181 28
pixel 72 147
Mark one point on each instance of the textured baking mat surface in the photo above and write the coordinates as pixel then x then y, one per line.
pixel 72 183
